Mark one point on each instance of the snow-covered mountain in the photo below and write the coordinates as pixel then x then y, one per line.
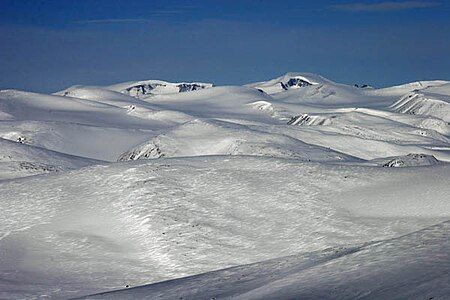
pixel 306 187
pixel 142 89
pixel 289 81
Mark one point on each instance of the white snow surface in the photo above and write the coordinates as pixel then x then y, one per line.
pixel 18 159
pixel 375 270
pixel 297 187
pixel 146 88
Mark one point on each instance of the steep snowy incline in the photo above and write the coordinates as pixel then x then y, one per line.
pixel 168 218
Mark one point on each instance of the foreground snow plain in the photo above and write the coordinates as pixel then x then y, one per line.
pixel 298 187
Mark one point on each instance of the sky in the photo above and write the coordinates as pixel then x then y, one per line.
pixel 46 46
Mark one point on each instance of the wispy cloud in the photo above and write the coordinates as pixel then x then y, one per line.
pixel 159 13
pixel 103 21
pixel 383 6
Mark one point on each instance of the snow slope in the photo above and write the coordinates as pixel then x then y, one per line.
pixel 398 268
pixel 94 125
pixel 84 121
pixel 99 94
pixel 424 103
pixel 20 160
pixel 409 87
pixel 198 137
pixel 149 181
pixel 167 218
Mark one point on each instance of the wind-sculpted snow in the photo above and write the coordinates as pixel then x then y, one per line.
pixel 318 177
pixel 147 221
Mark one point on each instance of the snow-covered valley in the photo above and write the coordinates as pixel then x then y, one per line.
pixel 296 187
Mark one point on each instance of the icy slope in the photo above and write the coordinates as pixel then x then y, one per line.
pixel 167 218
pixel 413 266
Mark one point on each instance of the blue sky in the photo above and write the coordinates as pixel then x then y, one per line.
pixel 49 45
